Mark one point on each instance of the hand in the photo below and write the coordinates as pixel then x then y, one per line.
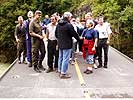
pixel 81 38
pixel 41 37
pixel 17 40
pixel 108 42
pixel 93 49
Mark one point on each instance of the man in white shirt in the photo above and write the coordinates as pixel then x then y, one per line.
pixel 52 45
pixel 104 39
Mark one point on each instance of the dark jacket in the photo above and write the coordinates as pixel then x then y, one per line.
pixel 64 33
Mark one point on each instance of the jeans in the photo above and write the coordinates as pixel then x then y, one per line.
pixel 63 61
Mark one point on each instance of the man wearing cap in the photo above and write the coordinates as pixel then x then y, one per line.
pixel 38 47
pixel 64 33
pixel 28 38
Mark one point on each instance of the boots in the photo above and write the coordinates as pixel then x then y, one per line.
pixel 105 65
pixel 30 64
pixel 41 66
pixel 36 68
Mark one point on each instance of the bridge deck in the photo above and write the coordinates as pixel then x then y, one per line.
pixel 114 82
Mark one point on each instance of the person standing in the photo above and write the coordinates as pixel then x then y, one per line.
pixel 28 38
pixel 89 37
pixel 64 33
pixel 38 47
pixel 20 39
pixel 103 42
pixel 52 45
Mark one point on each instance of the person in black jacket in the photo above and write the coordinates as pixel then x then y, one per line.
pixel 64 33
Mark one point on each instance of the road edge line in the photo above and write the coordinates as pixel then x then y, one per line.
pixel 4 73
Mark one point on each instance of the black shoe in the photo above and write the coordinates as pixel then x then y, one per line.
pixel 41 67
pixel 19 62
pixel 64 76
pixel 105 66
pixel 88 71
pixel 49 70
pixel 85 71
pixel 99 66
pixel 30 64
pixel 37 69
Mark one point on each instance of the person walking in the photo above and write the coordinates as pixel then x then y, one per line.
pixel 20 39
pixel 64 33
pixel 103 42
pixel 28 38
pixel 52 45
pixel 38 47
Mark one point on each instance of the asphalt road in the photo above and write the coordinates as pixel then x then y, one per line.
pixel 114 82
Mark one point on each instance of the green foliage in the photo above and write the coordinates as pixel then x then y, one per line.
pixel 9 11
pixel 118 12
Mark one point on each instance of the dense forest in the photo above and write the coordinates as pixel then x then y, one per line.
pixel 119 14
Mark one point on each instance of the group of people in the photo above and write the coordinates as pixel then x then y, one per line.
pixel 63 34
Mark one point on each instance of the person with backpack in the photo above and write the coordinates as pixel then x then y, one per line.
pixel 90 38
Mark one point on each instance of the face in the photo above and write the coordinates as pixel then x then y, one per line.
pixel 20 20
pixel 77 19
pixel 88 25
pixel 100 21
pixel 73 20
pixel 53 20
pixel 30 18
pixel 88 17
pixel 38 16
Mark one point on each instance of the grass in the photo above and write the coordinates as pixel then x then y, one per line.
pixel 3 67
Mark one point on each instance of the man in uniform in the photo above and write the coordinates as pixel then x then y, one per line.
pixel 20 39
pixel 38 47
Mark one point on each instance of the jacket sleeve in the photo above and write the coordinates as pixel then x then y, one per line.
pixel 56 31
pixel 16 31
pixel 73 33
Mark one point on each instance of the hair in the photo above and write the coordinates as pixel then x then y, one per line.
pixel 20 17
pixel 30 14
pixel 67 14
pixel 100 17
pixel 54 16
pixel 38 12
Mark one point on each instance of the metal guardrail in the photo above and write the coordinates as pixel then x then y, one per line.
pixel 4 73
pixel 122 54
